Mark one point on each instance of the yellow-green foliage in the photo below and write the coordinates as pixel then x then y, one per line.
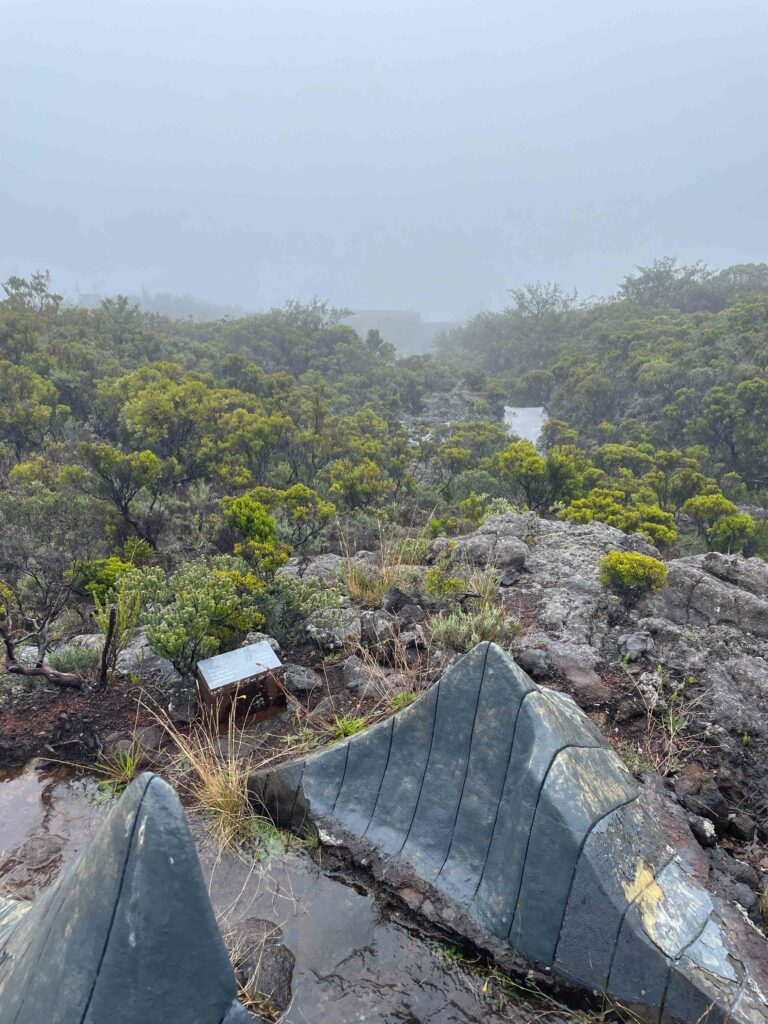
pixel 439 583
pixel 99 576
pixel 615 508
pixel 632 574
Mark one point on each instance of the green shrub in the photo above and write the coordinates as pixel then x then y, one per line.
pixel 100 575
pixel 464 630
pixel 290 600
pixel 615 508
pixel 631 574
pixel 438 583
pixel 82 660
pixel 731 533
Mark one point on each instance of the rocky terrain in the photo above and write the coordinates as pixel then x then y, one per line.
pixel 678 681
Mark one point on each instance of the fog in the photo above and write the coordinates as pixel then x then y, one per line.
pixel 411 155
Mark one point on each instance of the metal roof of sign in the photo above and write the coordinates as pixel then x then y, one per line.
pixel 233 666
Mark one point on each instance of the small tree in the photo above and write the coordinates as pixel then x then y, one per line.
pixel 731 533
pixel 705 510
pixel 631 574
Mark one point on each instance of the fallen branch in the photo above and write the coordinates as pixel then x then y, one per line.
pixel 70 679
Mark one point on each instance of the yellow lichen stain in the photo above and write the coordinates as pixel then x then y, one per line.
pixel 647 893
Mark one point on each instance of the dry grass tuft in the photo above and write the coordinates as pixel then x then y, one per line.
pixel 214 774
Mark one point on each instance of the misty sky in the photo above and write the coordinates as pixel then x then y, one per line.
pixel 379 153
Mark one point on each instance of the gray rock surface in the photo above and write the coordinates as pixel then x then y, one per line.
pixel 298 679
pixel 127 932
pixel 378 630
pixel 137 659
pixel 334 628
pixel 707 630
pixel 325 567
pixel 259 638
pixel 503 807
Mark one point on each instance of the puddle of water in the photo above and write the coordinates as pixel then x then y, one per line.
pixel 355 961
pixel 46 818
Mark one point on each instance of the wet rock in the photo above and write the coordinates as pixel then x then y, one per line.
pixel 634 646
pixel 497 807
pixel 395 600
pixel 138 662
pixel 334 628
pixel 128 925
pixel 264 966
pixel 696 790
pixel 40 851
pixel 300 680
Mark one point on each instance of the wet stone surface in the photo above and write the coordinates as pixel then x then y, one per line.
pixel 355 958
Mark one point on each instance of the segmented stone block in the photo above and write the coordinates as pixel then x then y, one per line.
pixel 508 806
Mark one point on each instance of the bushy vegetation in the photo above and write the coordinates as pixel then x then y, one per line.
pixel 462 630
pixel 632 574
pixel 163 471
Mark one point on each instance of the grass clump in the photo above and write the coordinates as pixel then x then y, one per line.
pixel 365 584
pixel 118 771
pixel 402 699
pixel 464 630
pixel 344 726
pixel 80 660
pixel 216 778
pixel 631 574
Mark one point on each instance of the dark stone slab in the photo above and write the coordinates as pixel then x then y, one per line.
pixel 368 756
pixel 500 809
pixel 429 836
pixel 582 787
pixel 127 932
pixel 323 777
pixel 403 777
pixel 548 722
pixel 504 687
pixel 619 861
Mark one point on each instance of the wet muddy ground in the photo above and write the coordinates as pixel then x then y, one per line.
pixel 357 958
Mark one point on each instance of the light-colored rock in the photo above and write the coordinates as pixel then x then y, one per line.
pixel 137 659
pixel 333 628
pixel 258 638
pixel 378 630
pixel 325 567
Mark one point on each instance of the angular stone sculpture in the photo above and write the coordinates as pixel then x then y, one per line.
pixel 501 806
pixel 126 934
